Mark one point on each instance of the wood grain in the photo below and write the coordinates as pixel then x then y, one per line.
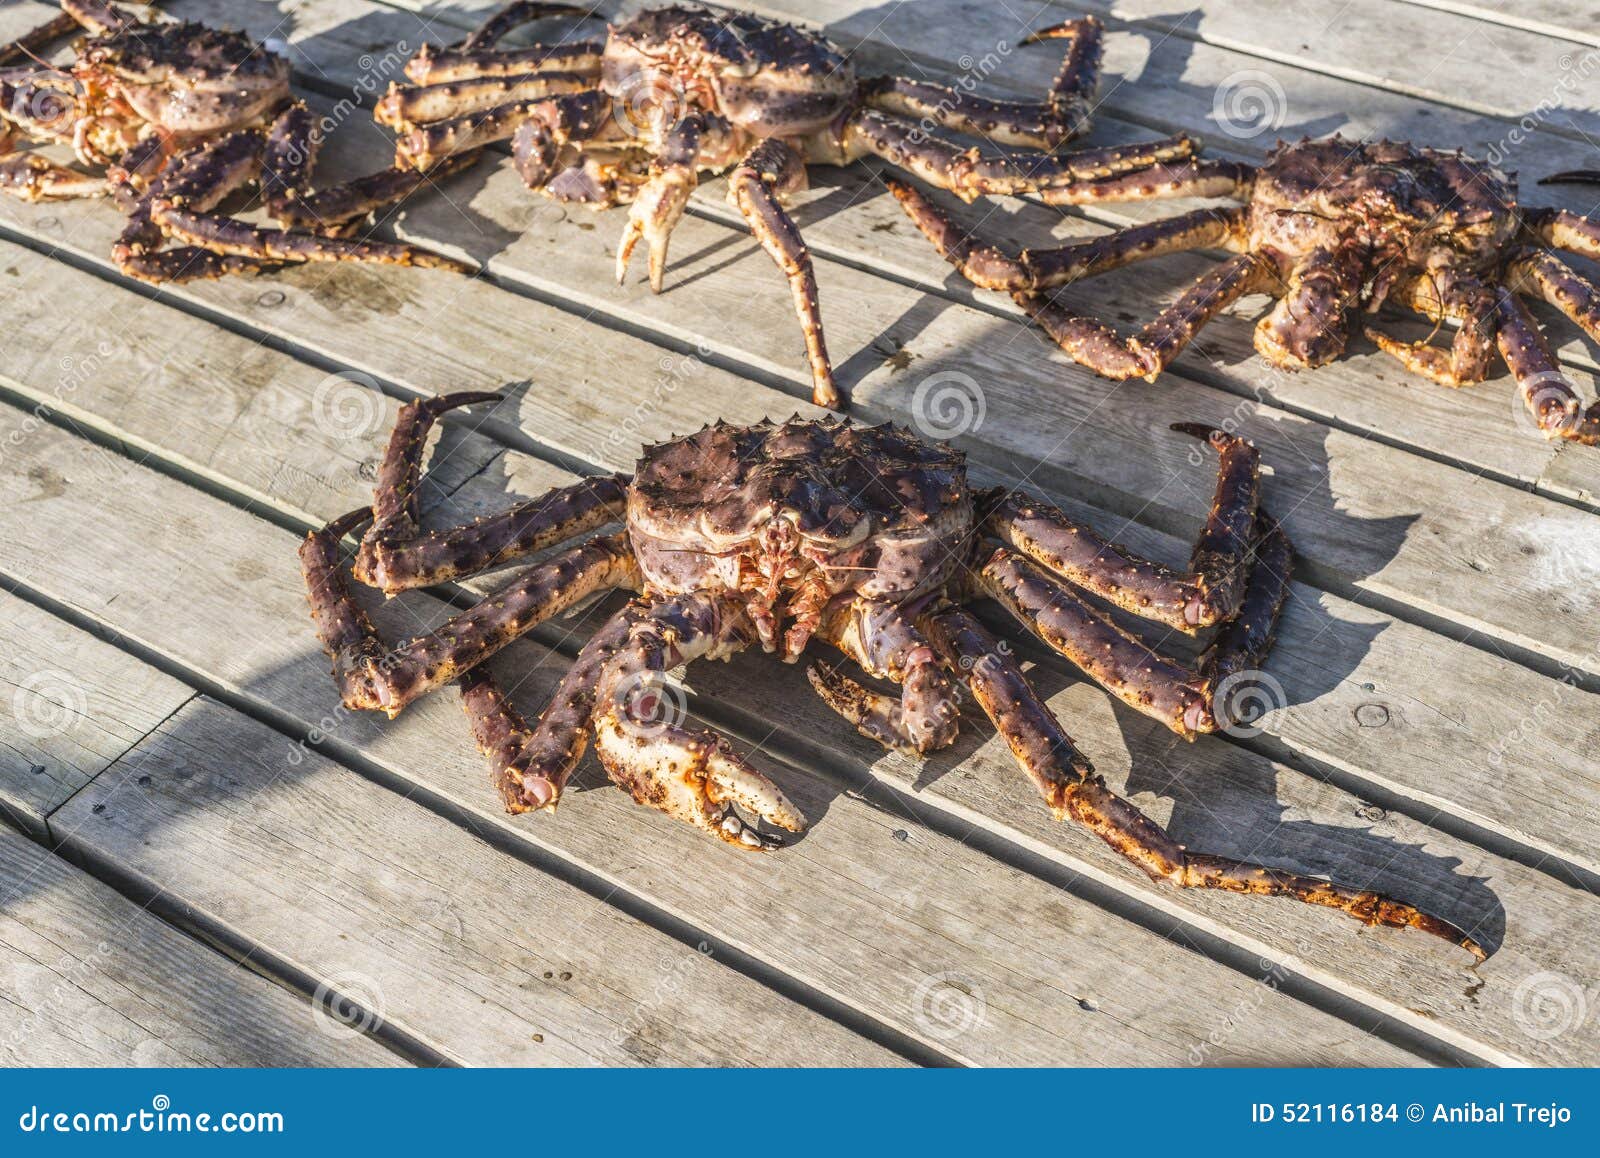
pixel 88 978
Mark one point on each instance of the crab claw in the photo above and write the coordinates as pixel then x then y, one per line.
pixel 653 216
pixel 695 776
pixel 913 725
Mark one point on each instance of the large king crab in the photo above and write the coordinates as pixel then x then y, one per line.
pixel 870 540
pixel 1331 228
pixel 677 91
pixel 179 116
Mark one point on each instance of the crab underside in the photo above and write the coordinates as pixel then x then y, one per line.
pixel 676 92
pixel 1332 229
pixel 867 539
pixel 178 118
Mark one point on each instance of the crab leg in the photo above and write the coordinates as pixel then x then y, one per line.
pixel 372 676
pixel 43 104
pixel 531 766
pixel 36 40
pixel 1123 664
pixel 969 175
pixel 1307 326
pixel 550 126
pixel 887 645
pixel 229 236
pixel 1188 179
pixel 659 206
pixel 397 554
pixel 1243 643
pixel 405 108
pixel 1564 230
pixel 513 16
pixel 440 66
pixel 1549 396
pixel 989 267
pixel 1469 302
pixel 1545 275
pixel 98 16
pixel 32 178
pixel 1145 355
pixel 689 773
pixel 288 157
pixel 754 186
pixel 1161 688
pixel 1062 115
pixel 341 205
pixel 1208 593
pixel 1074 792
pixel 426 145
pixel 199 180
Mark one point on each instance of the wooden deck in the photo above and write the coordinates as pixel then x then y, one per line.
pixel 190 881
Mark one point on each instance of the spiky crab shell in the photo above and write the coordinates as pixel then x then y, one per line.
pixel 768 78
pixel 1429 206
pixel 187 77
pixel 880 510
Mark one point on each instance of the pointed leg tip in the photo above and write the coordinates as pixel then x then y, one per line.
pixel 1572 177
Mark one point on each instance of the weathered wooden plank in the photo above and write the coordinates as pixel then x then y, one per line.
pixel 1494 70
pixel 218 406
pixel 873 920
pixel 1569 19
pixel 88 978
pixel 70 704
pixel 414 922
pixel 1338 663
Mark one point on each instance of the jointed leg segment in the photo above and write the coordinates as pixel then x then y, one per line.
pixel 754 186
pixel 1073 791
pixel 397 554
pixel 886 644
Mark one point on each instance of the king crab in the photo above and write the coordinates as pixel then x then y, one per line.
pixel 179 117
pixel 864 538
pixel 1332 229
pixel 678 91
